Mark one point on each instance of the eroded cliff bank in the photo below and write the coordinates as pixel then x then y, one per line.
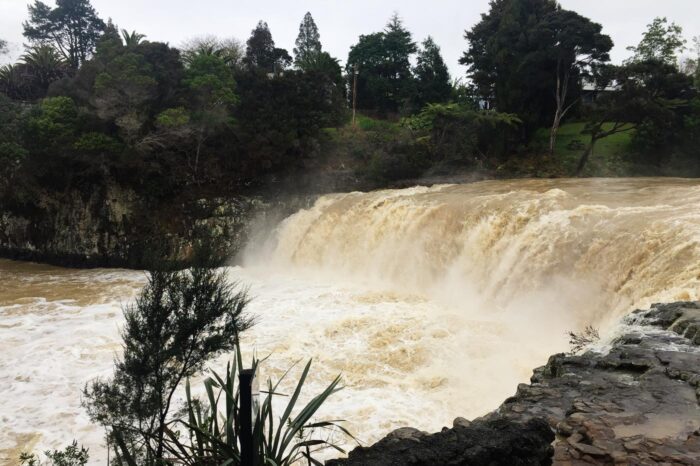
pixel 116 227
pixel 636 402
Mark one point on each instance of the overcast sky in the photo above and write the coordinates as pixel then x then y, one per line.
pixel 341 22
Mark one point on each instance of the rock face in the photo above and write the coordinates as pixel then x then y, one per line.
pixel 637 403
pixel 116 228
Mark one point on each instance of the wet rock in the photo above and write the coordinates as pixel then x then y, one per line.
pixel 461 422
pixel 115 227
pixel 636 404
pixel 490 442
pixel 406 433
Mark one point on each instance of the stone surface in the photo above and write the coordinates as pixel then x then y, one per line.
pixel 116 228
pixel 636 404
pixel 492 442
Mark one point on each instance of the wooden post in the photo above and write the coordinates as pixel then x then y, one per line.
pixel 248 391
pixel 354 93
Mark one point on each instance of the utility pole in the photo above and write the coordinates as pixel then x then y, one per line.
pixel 355 72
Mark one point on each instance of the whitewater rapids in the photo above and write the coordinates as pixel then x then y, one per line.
pixel 432 302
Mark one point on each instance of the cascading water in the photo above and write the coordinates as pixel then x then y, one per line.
pixel 432 302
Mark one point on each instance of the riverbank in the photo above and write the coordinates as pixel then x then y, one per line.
pixel 633 402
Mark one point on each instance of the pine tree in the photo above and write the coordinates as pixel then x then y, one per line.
pixel 432 77
pixel 399 46
pixel 261 52
pixel 308 43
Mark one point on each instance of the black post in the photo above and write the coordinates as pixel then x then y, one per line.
pixel 248 450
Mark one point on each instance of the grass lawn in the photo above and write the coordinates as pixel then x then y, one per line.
pixel 608 157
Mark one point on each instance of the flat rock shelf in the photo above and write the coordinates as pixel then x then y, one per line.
pixel 635 401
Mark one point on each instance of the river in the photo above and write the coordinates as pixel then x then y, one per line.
pixel 431 302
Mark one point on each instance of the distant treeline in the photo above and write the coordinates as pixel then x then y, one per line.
pixel 88 102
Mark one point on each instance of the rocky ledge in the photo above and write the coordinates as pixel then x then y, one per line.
pixel 635 403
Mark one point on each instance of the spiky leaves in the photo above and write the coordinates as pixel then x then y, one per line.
pixel 179 321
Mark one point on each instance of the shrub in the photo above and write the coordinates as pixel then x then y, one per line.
pixel 180 321
pixel 579 341
pixel 69 456
pixel 213 427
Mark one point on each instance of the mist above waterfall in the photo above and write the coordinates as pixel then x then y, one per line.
pixel 582 251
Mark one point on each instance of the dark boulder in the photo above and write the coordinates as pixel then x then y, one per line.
pixel 491 442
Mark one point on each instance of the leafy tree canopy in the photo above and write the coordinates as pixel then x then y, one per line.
pixel 661 41
pixel 73 27
pixel 382 63
pixel 523 52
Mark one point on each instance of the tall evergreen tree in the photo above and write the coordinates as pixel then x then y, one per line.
pixel 72 27
pixel 261 52
pixel 382 61
pixel 308 43
pixel 432 77
pixel 501 63
pixel 399 47
pixel 523 52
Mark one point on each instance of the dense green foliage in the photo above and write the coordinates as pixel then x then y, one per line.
pixel 72 27
pixel 102 106
pixel 179 322
pixel 523 52
pixel 432 77
pixel 661 41
pixel 381 61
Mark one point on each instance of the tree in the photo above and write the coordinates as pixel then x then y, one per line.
pixel 308 43
pixel 458 133
pixel 124 92
pixel 72 27
pixel 179 322
pixel 649 99
pixel 231 51
pixel 45 66
pixel 14 81
pixel 661 41
pixel 382 62
pixel 212 96
pixel 691 65
pixel 579 48
pixel 278 120
pixel 432 77
pixel 12 151
pixel 261 53
pixel 54 123
pixel 399 47
pixel 506 60
pixel 132 38
pixel 3 47
pixel 324 64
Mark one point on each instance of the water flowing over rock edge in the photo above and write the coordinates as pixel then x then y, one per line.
pixel 633 402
